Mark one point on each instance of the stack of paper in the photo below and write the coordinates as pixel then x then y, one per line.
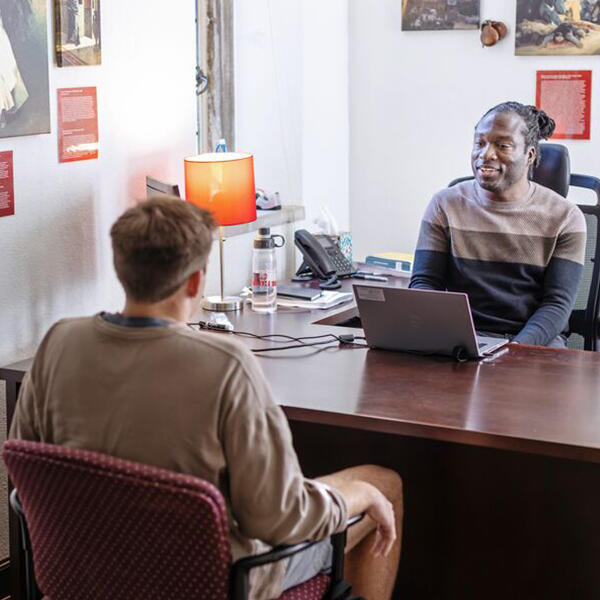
pixel 327 300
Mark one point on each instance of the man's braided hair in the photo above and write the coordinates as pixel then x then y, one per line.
pixel 538 125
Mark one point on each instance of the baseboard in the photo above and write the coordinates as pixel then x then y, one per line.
pixel 4 579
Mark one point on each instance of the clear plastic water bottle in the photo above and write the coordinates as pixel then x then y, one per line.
pixel 264 271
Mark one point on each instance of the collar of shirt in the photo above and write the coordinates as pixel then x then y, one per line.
pixel 123 321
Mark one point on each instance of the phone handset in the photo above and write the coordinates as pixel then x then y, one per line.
pixel 316 260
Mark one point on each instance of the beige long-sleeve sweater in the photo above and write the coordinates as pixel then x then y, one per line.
pixel 191 402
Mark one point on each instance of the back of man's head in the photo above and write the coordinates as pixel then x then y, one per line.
pixel 158 244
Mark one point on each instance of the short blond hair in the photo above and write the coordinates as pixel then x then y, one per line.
pixel 158 244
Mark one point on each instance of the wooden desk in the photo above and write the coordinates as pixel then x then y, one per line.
pixel 499 460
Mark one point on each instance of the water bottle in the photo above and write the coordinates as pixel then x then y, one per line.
pixel 264 271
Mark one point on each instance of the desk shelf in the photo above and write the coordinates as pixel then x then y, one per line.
pixel 267 218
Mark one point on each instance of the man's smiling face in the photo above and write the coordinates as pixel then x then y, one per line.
pixel 500 159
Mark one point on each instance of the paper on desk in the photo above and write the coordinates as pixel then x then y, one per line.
pixel 327 300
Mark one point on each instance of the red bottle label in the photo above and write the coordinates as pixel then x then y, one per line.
pixel 261 280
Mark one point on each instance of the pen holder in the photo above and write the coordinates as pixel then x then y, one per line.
pixel 344 241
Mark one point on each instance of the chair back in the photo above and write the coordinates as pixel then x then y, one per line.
pixel 554 172
pixel 583 322
pixel 554 168
pixel 102 527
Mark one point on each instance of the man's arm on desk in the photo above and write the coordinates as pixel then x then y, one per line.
pixel 561 281
pixel 432 252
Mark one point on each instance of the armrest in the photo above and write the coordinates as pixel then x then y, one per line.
pixel 32 590
pixel 16 505
pixel 241 568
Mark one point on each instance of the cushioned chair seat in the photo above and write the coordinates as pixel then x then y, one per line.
pixel 315 588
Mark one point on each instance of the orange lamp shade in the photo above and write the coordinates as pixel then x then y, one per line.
pixel 223 183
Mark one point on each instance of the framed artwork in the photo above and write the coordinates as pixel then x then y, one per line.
pixel 422 15
pixel 77 31
pixel 24 98
pixel 553 27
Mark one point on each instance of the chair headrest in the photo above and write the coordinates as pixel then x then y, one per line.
pixel 554 170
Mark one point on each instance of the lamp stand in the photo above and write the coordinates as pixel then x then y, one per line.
pixel 222 303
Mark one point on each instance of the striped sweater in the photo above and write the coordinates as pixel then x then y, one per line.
pixel 520 262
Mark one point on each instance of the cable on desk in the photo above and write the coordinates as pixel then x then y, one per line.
pixel 347 339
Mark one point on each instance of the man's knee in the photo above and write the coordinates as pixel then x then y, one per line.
pixel 395 486
pixel 387 480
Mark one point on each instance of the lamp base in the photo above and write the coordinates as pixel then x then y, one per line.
pixel 226 304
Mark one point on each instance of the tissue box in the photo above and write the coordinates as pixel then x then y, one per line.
pixel 344 241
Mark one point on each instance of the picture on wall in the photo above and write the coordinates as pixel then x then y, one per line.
pixel 77 31
pixel 552 27
pixel 24 98
pixel 421 15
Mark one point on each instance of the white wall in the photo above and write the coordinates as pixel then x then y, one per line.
pixel 55 249
pixel 326 116
pixel 292 113
pixel 292 107
pixel 414 100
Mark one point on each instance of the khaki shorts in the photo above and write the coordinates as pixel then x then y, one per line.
pixel 306 565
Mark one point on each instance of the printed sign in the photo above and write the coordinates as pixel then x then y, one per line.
pixel 77 124
pixel 7 189
pixel 566 96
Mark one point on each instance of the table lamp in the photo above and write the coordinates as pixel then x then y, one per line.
pixel 222 183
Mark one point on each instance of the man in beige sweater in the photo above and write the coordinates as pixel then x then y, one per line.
pixel 142 386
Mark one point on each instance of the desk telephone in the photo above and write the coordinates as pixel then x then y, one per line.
pixel 322 258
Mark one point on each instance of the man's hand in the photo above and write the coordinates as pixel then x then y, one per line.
pixel 382 512
pixel 363 497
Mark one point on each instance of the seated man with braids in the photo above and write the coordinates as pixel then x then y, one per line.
pixel 515 247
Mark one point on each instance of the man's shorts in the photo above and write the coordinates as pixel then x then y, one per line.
pixel 306 565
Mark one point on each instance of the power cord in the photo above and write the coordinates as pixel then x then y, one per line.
pixel 459 353
pixel 346 339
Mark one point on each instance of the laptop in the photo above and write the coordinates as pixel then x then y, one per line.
pixel 421 321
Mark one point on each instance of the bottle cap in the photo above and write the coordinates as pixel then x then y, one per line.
pixel 264 240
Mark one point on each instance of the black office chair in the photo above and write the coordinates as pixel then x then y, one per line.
pixel 554 172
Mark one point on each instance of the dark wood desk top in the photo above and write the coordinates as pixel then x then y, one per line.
pixel 530 399
pixel 15 371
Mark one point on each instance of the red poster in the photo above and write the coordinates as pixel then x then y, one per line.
pixel 77 124
pixel 7 186
pixel 566 96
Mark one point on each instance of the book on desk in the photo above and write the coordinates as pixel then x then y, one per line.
pixel 397 261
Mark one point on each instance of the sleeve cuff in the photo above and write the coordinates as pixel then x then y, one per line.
pixel 336 498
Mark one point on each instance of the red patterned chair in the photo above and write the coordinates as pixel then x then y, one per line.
pixel 102 527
